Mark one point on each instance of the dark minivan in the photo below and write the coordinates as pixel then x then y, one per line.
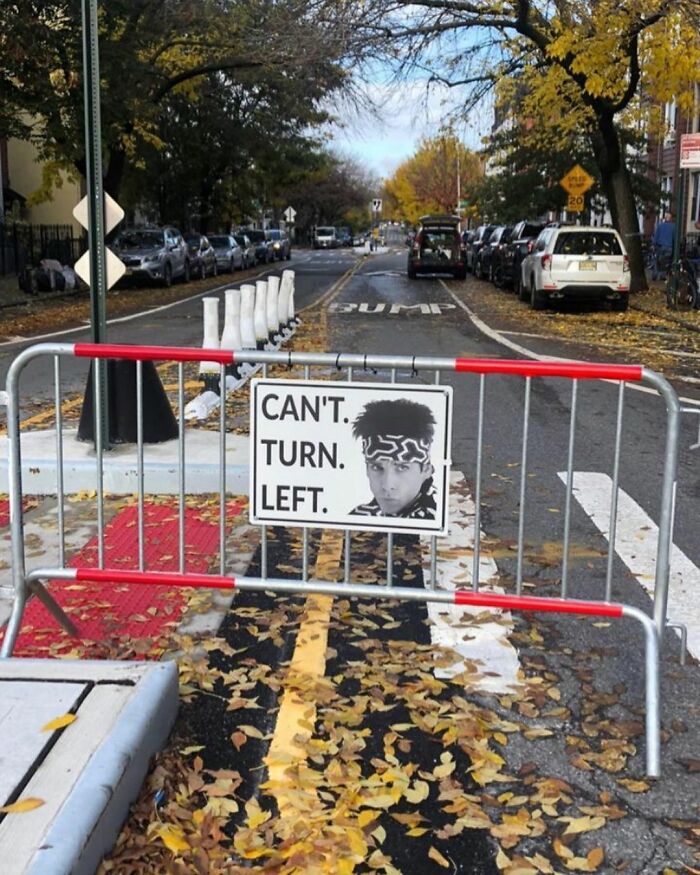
pixel 437 247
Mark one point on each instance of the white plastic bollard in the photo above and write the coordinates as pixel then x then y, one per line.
pixel 211 333
pixel 283 307
pixel 248 316
pixel 294 320
pixel 231 335
pixel 273 325
pixel 261 313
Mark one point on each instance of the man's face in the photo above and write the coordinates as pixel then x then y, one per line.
pixel 395 484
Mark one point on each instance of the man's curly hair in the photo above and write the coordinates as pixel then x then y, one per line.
pixel 397 417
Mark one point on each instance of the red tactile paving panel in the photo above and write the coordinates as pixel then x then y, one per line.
pixel 4 513
pixel 127 620
pixel 5 509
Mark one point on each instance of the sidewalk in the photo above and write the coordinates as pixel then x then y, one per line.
pixel 654 301
pixel 73 784
pixel 12 296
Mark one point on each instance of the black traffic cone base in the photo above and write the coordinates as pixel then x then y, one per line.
pixel 159 423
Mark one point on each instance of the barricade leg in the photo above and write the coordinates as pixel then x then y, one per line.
pixel 37 588
pixel 53 607
pixel 13 625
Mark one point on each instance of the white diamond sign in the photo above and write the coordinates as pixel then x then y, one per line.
pixel 112 217
pixel 115 267
pixel 113 213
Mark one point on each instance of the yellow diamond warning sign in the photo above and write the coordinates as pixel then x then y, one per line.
pixel 576 181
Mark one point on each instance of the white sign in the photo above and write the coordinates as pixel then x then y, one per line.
pixel 113 216
pixel 377 204
pixel 113 213
pixel 115 267
pixel 365 456
pixel 690 151
pixel 290 214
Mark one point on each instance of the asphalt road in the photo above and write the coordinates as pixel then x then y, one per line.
pixel 180 323
pixel 531 776
pixel 580 716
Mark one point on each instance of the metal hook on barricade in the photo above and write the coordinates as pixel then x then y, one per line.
pixel 337 362
pixel 414 372
pixel 365 368
pixel 289 360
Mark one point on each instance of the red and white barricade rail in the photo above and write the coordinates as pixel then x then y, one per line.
pixel 398 371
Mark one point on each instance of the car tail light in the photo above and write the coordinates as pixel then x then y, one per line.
pixel 625 263
pixel 546 262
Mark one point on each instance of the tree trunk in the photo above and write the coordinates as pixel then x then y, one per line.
pixel 610 157
pixel 116 165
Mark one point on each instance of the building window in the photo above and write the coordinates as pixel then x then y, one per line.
pixel 669 122
pixel 695 198
pixel 666 194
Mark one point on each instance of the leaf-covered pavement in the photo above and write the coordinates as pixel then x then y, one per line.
pixel 399 771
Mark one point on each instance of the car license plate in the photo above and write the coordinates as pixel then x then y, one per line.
pixel 587 265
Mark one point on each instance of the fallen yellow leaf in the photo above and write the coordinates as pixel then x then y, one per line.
pixel 59 722
pixel 582 824
pixel 434 854
pixel 28 804
pixel 173 838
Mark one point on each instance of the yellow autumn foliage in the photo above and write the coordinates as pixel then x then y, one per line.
pixel 427 182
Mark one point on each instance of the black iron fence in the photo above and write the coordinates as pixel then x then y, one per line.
pixel 23 245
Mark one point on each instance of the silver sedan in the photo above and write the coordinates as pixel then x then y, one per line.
pixel 229 255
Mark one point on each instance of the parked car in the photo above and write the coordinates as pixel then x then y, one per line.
pixel 281 247
pixel 229 255
pixel 576 262
pixel 344 237
pixel 521 242
pixel 247 248
pixel 325 237
pixel 263 246
pixel 474 245
pixel 437 247
pixel 492 252
pixel 202 256
pixel 159 254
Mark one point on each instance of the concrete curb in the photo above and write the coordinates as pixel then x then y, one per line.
pixel 70 835
pixel 161 465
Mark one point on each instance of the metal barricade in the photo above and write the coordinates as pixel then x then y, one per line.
pixel 30 581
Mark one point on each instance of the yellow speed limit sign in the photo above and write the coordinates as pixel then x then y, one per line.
pixel 575 203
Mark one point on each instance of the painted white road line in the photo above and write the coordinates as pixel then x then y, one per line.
pixel 459 628
pixel 635 544
pixel 498 337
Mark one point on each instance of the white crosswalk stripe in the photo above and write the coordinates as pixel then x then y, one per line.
pixel 635 544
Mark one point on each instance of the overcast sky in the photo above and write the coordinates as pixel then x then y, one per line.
pixel 406 115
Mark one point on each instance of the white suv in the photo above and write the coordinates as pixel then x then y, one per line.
pixel 576 262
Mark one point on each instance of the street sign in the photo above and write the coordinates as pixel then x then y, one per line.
pixel 690 152
pixel 577 180
pixel 317 461
pixel 376 205
pixel 575 203
pixel 114 266
pixel 290 214
pixel 113 213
